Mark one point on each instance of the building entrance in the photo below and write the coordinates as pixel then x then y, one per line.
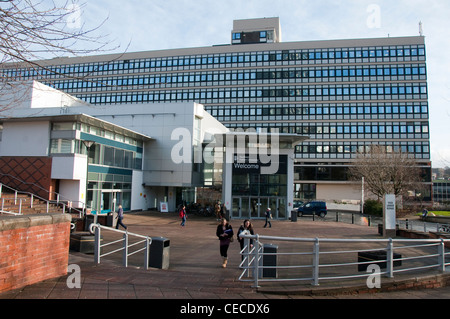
pixel 111 200
pixel 255 207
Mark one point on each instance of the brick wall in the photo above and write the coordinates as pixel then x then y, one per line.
pixel 33 248
pixel 28 174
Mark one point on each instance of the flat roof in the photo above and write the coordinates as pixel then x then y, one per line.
pixel 229 48
pixel 83 118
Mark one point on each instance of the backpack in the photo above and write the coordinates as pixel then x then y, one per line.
pixel 181 213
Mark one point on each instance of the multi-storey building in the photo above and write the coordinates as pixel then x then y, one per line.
pixel 344 94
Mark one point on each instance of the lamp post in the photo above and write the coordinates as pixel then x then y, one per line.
pixel 88 144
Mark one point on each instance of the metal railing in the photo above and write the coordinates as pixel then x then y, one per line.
pixel 373 221
pixel 318 259
pixel 125 247
pixel 66 205
pixel 423 226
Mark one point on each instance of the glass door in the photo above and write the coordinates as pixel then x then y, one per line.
pixel 240 207
pixel 110 201
pixel 254 207
pixel 273 204
pixel 236 209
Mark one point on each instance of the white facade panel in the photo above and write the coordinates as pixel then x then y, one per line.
pixel 26 138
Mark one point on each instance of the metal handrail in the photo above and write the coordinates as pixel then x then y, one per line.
pixel 96 230
pixel 58 196
pixel 32 196
pixel 253 265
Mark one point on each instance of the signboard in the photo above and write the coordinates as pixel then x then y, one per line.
pixel 389 214
pixel 245 164
pixel 164 207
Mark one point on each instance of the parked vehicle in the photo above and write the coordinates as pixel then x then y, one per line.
pixel 297 204
pixel 313 208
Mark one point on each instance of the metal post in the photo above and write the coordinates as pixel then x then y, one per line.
pixel 256 262
pixel 441 250
pixel 20 207
pixel 316 252
pixel 147 252
pixel 245 257
pixel 246 254
pixel 125 249
pixel 390 259
pixel 31 201
pixel 97 245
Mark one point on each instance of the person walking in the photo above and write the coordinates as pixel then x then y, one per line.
pixel 245 227
pixel 120 218
pixel 225 234
pixel 183 215
pixel 217 210
pixel 268 218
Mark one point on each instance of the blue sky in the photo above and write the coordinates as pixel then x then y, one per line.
pixel 168 24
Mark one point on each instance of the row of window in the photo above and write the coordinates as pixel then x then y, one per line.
pixel 97 131
pixel 98 154
pixel 347 131
pixel 330 173
pixel 352 148
pixel 303 93
pixel 319 109
pixel 362 128
pixel 378 54
pixel 214 78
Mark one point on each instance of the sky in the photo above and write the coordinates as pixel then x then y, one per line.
pixel 169 24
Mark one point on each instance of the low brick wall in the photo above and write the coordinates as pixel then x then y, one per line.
pixel 33 248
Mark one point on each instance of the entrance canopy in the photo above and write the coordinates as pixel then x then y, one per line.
pixel 258 173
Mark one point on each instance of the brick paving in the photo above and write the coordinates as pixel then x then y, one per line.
pixel 195 270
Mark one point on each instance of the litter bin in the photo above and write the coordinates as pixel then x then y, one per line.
pixel 89 219
pixel 270 260
pixel 159 253
pixel 293 215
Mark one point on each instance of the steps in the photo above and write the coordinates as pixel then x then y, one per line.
pixel 22 204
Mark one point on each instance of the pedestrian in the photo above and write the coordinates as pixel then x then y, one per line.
pixel 268 218
pixel 245 227
pixel 225 234
pixel 120 218
pixel 183 215
pixel 218 210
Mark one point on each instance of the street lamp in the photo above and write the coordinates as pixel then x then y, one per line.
pixel 88 145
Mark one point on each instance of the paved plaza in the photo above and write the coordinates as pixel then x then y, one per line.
pixel 195 271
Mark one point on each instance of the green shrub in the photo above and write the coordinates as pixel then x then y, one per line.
pixel 373 207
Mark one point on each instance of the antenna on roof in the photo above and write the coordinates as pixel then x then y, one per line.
pixel 421 28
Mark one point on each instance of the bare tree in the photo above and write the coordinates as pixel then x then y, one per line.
pixel 386 172
pixel 32 30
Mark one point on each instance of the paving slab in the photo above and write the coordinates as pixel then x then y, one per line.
pixel 195 271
